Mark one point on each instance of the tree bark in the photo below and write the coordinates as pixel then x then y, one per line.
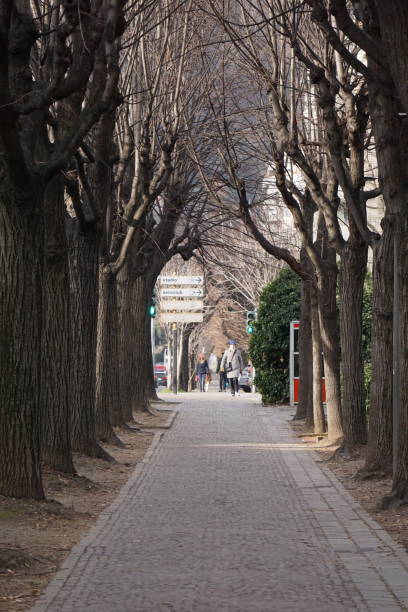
pixel 127 325
pixel 331 351
pixel 393 25
pixel 319 425
pixel 400 481
pixel 108 409
pixel 379 453
pixel 142 379
pixel 21 248
pixel 84 269
pixel 305 406
pixel 329 330
pixel 152 387
pixel 391 136
pixel 353 271
pixel 56 383
pixel 185 359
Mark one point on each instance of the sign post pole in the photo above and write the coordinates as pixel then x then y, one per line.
pixel 174 368
pixel 152 336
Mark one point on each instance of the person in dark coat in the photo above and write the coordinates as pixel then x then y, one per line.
pixel 202 370
pixel 222 374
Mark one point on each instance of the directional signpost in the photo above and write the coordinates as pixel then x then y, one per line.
pixel 180 303
pixel 182 317
pixel 174 292
pixel 181 280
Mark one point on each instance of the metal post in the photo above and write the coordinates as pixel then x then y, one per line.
pixel 174 368
pixel 396 383
pixel 152 336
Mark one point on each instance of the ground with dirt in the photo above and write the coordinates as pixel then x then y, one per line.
pixel 369 492
pixel 35 537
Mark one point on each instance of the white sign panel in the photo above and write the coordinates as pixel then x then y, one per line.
pixel 182 292
pixel 181 305
pixel 181 280
pixel 181 317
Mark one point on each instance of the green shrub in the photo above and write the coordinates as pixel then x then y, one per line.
pixel 269 346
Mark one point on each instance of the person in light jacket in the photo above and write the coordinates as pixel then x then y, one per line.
pixel 232 364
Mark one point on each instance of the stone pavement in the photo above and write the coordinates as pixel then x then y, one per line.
pixel 231 513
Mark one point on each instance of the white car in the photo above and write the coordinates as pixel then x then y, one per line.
pixel 245 381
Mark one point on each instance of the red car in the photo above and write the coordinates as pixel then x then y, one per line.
pixel 160 375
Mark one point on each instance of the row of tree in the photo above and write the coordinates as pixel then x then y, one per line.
pixel 133 131
pixel 313 95
pixel 98 101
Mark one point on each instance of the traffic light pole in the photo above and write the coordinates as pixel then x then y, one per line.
pixel 174 368
pixel 250 320
pixel 152 337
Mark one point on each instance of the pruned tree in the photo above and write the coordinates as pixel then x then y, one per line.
pixel 46 69
pixel 369 28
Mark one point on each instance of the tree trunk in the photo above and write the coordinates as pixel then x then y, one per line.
pixel 353 271
pixel 180 346
pixel 142 380
pixel 84 270
pixel 56 383
pixel 379 453
pixel 329 330
pixel 305 406
pixel 21 248
pixel 127 326
pixel 393 24
pixel 192 351
pixel 391 136
pixel 319 425
pixel 184 365
pixel 152 387
pixel 400 483
pixel 108 410
pixel 328 319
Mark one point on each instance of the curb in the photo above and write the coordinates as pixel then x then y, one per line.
pixel 167 425
pixel 82 547
pixel 155 442
pixel 171 419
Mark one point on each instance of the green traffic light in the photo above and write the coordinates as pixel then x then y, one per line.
pixel 250 329
pixel 152 310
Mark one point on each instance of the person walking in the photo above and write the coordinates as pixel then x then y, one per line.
pixel 232 365
pixel 202 371
pixel 222 375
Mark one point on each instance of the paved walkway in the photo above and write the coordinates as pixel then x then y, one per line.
pixel 231 514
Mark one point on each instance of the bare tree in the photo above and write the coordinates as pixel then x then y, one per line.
pixel 150 122
pixel 369 28
pixel 45 63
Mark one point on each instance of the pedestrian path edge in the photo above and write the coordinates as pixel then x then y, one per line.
pixel 136 478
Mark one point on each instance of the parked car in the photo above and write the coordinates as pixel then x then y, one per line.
pixel 245 380
pixel 160 375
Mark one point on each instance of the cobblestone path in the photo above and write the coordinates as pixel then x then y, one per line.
pixel 231 514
